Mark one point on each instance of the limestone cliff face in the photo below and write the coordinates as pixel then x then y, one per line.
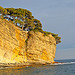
pixel 17 46
pixel 12 43
pixel 40 48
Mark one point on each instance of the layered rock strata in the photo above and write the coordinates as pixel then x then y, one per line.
pixel 17 46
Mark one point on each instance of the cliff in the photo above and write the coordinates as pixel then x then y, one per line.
pixel 17 46
pixel 40 48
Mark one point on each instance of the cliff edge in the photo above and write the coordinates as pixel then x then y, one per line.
pixel 17 46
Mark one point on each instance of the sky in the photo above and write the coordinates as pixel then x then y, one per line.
pixel 57 16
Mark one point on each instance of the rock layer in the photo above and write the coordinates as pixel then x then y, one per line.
pixel 17 46
pixel 40 48
pixel 12 43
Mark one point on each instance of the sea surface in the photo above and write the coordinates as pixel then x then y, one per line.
pixel 66 68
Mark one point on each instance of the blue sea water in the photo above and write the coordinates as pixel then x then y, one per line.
pixel 67 68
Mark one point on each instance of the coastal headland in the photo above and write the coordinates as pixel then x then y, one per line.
pixel 22 40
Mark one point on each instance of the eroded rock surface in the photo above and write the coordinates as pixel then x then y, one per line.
pixel 17 46
pixel 40 48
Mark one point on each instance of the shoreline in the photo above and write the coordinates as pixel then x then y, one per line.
pixel 25 64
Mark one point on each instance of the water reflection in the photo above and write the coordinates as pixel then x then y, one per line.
pixel 34 70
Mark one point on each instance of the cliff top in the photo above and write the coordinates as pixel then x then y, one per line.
pixel 23 19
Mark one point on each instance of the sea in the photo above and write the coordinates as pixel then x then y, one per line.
pixel 67 67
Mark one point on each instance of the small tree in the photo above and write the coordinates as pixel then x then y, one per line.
pixel 3 11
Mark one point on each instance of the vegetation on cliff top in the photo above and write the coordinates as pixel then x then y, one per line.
pixel 23 18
